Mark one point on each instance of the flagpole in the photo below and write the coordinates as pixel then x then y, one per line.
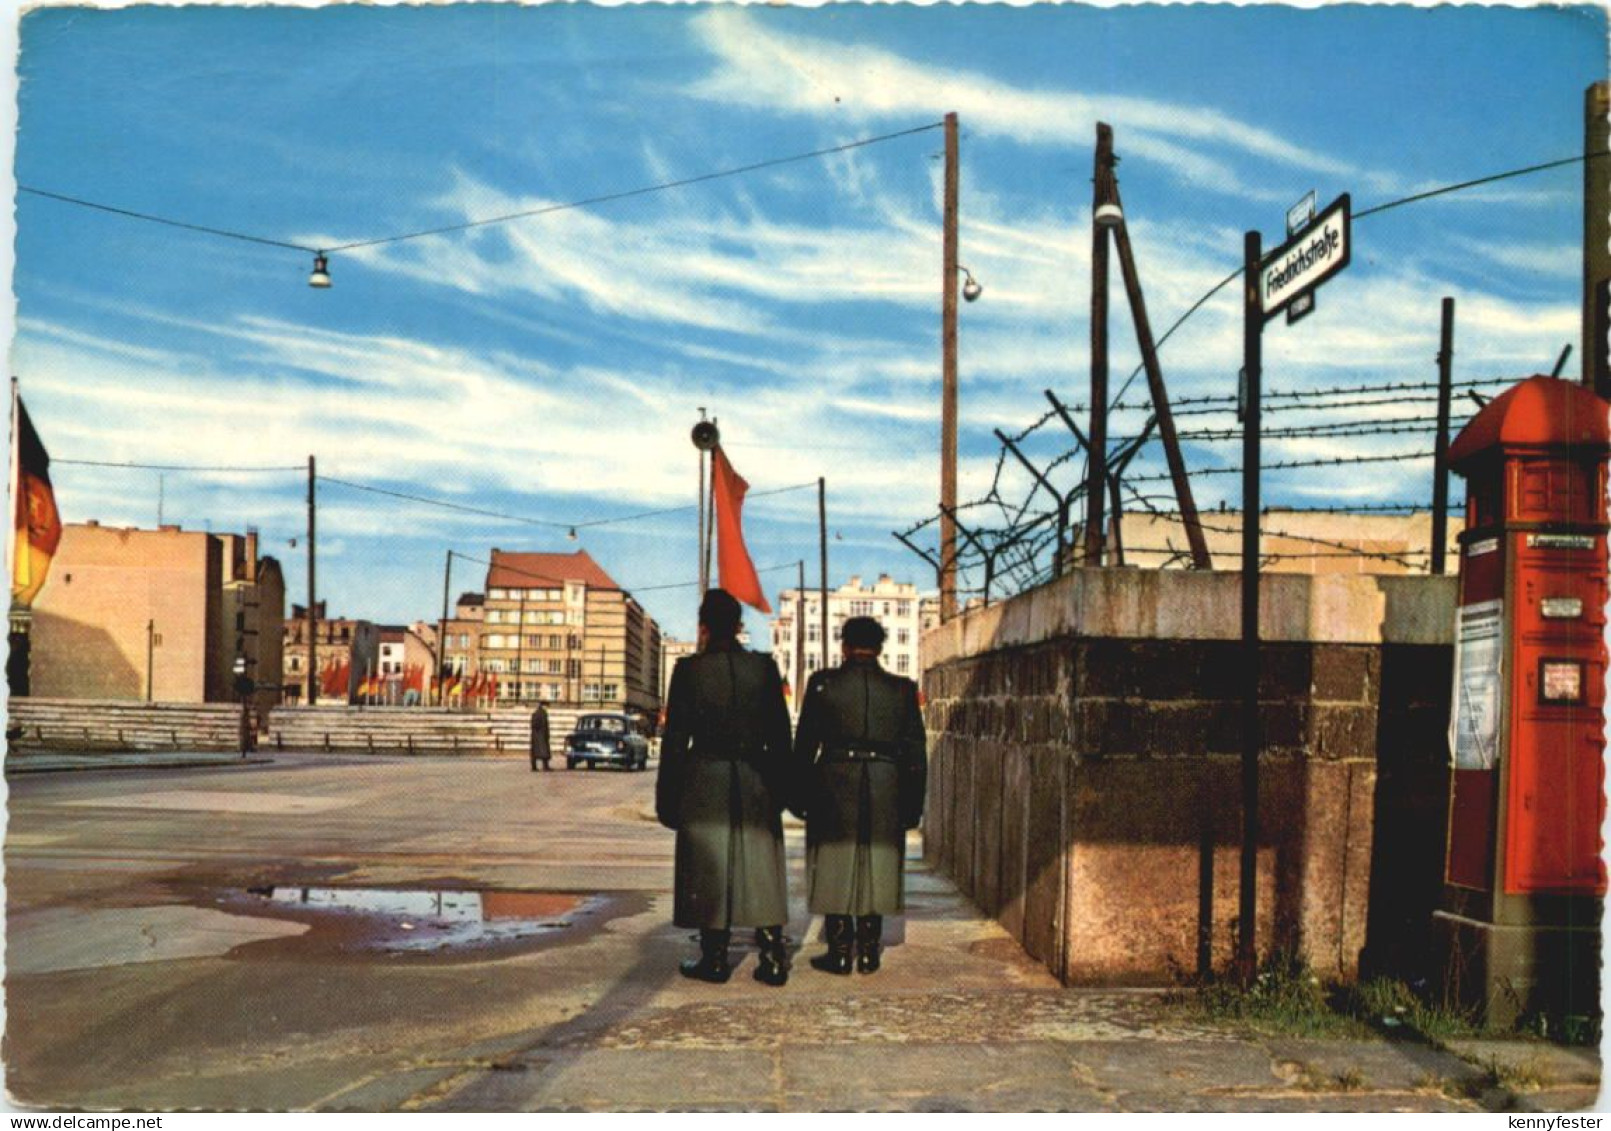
pixel 699 539
pixel 16 491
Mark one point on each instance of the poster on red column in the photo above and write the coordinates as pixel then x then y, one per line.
pixel 1474 726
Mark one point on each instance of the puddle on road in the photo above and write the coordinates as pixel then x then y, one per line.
pixel 432 920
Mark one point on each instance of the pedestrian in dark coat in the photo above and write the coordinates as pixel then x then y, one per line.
pixel 539 738
pixel 860 770
pixel 724 758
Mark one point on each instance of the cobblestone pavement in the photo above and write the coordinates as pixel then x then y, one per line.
pixel 153 963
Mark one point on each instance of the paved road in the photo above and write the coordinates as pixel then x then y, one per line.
pixel 154 961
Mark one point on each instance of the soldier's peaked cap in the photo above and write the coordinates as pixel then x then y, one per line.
pixel 863 632
pixel 720 611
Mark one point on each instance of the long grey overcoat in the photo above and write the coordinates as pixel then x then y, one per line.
pixel 539 736
pixel 857 813
pixel 724 760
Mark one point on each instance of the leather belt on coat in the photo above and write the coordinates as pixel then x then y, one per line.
pixel 856 754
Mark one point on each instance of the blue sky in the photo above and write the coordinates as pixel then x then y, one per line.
pixel 551 367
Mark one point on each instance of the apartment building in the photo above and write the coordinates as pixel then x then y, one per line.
pixel 557 627
pixel 167 615
pixel 896 605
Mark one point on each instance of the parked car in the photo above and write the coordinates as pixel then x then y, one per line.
pixel 611 739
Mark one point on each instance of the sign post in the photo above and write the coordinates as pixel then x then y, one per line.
pixel 1284 280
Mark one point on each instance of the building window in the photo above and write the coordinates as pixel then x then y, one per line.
pixel 533 667
pixel 902 637
pixel 498 594
pixel 903 663
pixel 533 640
pixel 590 691
pixel 612 691
pixel 573 668
pixel 555 641
pixel 553 667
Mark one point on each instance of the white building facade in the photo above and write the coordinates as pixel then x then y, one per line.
pixel 896 605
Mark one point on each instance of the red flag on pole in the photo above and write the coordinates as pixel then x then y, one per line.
pixel 736 571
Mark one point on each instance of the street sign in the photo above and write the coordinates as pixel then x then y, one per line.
pixel 1306 260
pixel 1300 306
pixel 1300 214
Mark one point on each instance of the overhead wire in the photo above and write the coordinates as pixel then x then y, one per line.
pixel 587 202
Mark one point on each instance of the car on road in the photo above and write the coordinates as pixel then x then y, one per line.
pixel 606 738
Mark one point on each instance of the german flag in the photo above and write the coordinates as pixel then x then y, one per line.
pixel 37 527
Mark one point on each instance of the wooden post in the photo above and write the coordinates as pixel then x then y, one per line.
pixel 822 537
pixel 313 616
pixel 441 635
pixel 1097 471
pixel 1160 397
pixel 948 377
pixel 1596 236
pixel 1252 361
pixel 1440 452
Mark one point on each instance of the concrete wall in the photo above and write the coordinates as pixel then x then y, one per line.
pixel 1085 741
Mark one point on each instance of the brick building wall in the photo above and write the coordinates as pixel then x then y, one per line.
pixel 1085 788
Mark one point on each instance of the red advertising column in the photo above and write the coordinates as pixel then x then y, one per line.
pixel 1524 877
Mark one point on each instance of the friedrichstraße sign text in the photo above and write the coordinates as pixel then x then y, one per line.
pixel 1306 260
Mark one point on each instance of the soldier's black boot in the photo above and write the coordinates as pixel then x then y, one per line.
pixel 839 930
pixel 772 967
pixel 869 933
pixel 711 965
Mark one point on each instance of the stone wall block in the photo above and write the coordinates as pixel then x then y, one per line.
pixel 1342 673
pixel 987 853
pixel 965 808
pixel 1285 727
pixel 1045 857
pixel 1176 730
pixel 1285 671
pixel 1339 732
pixel 1015 777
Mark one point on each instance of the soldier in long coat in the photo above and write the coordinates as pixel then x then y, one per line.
pixel 540 751
pixel 724 762
pixel 860 770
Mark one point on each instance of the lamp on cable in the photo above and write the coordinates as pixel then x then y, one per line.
pixel 321 271
pixel 971 290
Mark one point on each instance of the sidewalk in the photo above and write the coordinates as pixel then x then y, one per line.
pixel 59 761
pixel 936 1030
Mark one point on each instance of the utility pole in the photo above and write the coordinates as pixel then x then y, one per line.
pixel 948 379
pixel 799 642
pixel 150 657
pixel 1596 236
pixel 313 616
pixel 1440 453
pixel 1252 375
pixel 441 634
pixel 822 537
pixel 1097 469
